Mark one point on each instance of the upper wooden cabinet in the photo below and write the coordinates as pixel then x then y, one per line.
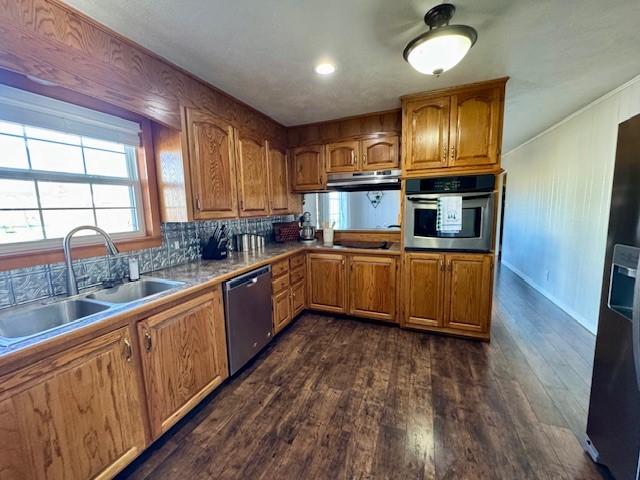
pixel 184 357
pixel 372 287
pixel 253 180
pixel 457 129
pixel 327 282
pixel 212 160
pixel 426 133
pixel 308 168
pixel 475 125
pixel 278 179
pixel 342 156
pixel 75 415
pixel 379 153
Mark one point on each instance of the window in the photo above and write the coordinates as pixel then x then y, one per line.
pixel 55 179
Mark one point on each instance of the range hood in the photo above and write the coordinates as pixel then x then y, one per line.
pixel 359 181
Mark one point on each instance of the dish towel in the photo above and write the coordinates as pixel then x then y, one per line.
pixel 449 217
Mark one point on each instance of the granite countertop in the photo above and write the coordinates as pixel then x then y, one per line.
pixel 193 275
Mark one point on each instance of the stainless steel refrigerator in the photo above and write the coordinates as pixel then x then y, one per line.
pixel 613 427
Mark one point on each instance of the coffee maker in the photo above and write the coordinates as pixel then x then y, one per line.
pixel 307 231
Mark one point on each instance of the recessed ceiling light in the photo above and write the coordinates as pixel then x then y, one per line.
pixel 325 68
pixel 443 46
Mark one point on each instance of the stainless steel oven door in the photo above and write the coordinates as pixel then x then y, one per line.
pixel 420 214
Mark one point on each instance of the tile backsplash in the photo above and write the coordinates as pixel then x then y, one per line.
pixel 180 244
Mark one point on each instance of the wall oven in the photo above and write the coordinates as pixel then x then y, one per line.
pixel 421 228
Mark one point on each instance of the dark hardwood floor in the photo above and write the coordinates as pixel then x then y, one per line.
pixel 338 398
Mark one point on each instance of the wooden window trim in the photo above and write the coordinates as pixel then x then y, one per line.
pixel 146 172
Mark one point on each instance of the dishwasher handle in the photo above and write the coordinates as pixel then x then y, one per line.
pixel 248 279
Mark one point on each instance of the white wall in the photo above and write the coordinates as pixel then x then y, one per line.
pixel 557 205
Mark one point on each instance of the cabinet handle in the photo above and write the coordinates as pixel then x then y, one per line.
pixel 364 159
pixel 452 152
pixel 355 159
pixel 444 153
pixel 441 265
pixel 128 351
pixel 198 204
pixel 449 265
pixel 147 341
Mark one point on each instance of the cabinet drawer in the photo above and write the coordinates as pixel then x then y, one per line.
pixel 279 268
pixel 280 283
pixel 297 261
pixel 297 275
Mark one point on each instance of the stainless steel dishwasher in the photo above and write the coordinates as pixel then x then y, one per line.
pixel 247 308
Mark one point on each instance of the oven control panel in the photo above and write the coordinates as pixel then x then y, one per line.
pixel 453 184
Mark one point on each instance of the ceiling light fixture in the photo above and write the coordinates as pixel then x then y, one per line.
pixel 443 46
pixel 325 68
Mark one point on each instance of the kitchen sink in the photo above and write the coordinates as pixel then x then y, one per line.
pixel 16 326
pixel 132 291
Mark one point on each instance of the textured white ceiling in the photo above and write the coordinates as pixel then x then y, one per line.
pixel 560 54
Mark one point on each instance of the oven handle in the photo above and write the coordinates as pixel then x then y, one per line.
pixel 434 198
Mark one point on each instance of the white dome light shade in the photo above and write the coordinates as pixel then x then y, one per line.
pixel 325 68
pixel 436 55
pixel 443 46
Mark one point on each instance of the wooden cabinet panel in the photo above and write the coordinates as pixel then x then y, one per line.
pixel 278 180
pixel 297 261
pixel 212 165
pixel 426 133
pixel 298 298
pixel 380 153
pixel 308 169
pixel 281 310
pixel 424 283
pixel 184 356
pixel 342 156
pixel 76 415
pixel 253 182
pixel 372 287
pixel 326 278
pixel 297 275
pixel 278 268
pixel 475 127
pixel 468 292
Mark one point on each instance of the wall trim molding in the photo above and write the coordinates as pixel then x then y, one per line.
pixel 533 284
pixel 590 105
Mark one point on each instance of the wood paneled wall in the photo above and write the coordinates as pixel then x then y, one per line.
pixel 51 41
pixel 333 130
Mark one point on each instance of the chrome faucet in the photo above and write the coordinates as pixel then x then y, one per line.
pixel 72 284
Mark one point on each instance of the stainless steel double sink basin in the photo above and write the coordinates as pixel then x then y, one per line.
pixel 21 323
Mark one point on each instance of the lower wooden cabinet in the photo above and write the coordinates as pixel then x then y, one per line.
pixel 360 285
pixel 281 310
pixel 184 357
pixel 75 415
pixel 298 298
pixel 372 287
pixel 448 292
pixel 327 282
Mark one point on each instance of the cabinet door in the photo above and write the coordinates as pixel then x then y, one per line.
pixel 307 168
pixel 212 166
pixel 426 130
pixel 372 287
pixel 327 282
pixel 253 182
pixel 380 153
pixel 424 282
pixel 278 180
pixel 76 415
pixel 281 310
pixel 184 357
pixel 475 127
pixel 468 292
pixel 342 156
pixel 298 298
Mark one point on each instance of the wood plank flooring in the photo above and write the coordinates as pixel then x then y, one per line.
pixel 338 398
